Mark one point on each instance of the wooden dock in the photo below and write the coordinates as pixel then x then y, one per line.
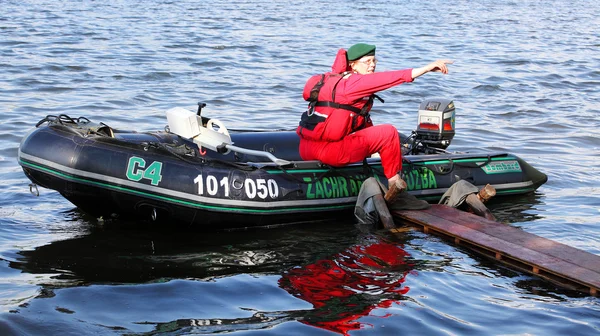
pixel 564 265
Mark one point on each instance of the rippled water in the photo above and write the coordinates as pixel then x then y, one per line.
pixel 526 79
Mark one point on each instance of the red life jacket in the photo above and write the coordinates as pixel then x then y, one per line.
pixel 333 121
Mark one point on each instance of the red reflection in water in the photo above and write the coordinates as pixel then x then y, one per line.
pixel 350 284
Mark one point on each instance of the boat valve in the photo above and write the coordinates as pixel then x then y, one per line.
pixel 33 189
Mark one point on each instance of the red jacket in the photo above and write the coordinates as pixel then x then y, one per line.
pixel 333 124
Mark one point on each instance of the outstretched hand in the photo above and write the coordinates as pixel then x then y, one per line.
pixel 439 66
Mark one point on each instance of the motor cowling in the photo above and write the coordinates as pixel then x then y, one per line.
pixel 435 126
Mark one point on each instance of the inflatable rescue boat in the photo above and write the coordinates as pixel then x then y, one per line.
pixel 197 172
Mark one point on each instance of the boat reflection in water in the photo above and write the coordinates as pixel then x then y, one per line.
pixel 342 289
pixel 306 261
pixel 350 284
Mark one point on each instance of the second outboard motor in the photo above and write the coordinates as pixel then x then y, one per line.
pixel 435 127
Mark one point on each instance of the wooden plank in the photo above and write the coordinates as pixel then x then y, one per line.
pixel 514 235
pixel 529 240
pixel 384 213
pixel 507 246
pixel 549 259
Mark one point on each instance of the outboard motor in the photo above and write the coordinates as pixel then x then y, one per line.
pixel 435 126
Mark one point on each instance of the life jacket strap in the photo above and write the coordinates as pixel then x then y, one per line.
pixel 310 119
pixel 339 106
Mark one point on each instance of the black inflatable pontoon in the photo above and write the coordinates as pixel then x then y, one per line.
pixel 220 179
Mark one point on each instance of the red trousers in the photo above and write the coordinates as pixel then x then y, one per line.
pixel 357 146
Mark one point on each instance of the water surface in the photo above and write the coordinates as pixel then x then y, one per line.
pixel 525 80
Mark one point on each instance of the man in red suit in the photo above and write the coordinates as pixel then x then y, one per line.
pixel 337 129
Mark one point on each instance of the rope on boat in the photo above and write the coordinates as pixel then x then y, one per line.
pixel 62 119
pixel 73 125
pixel 34 186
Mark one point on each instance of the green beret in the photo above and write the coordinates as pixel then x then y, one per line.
pixel 359 50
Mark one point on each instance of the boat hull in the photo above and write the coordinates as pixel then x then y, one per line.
pixel 161 176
